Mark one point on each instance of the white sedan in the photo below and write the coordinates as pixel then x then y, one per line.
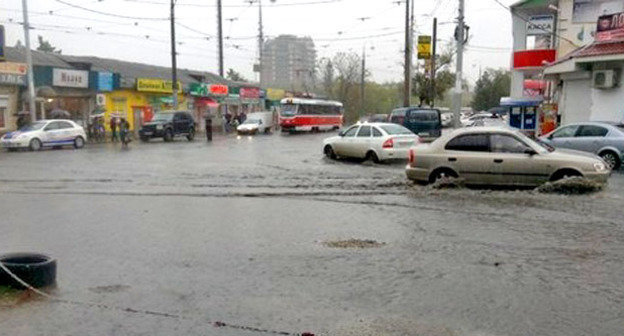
pixel 373 141
pixel 45 133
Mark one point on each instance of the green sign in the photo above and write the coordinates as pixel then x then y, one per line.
pixel 199 89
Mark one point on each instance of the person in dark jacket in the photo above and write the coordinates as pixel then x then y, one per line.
pixel 113 127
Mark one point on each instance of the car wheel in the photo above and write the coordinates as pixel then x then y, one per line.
pixel 79 142
pixel 372 156
pixel 145 139
pixel 329 152
pixel 564 174
pixel 191 135
pixel 267 130
pixel 168 135
pixel 35 145
pixel 612 159
pixel 441 174
pixel 35 269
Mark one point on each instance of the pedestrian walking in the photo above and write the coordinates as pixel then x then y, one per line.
pixel 208 128
pixel 124 132
pixel 113 127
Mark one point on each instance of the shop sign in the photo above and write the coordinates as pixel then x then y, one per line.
pixel 424 47
pixel 70 78
pixel 2 40
pixel 198 89
pixel 232 99
pixel 219 90
pixel 610 27
pixel 13 68
pixel 540 25
pixel 249 92
pixel 12 79
pixel 275 94
pixel 156 85
pixel 105 81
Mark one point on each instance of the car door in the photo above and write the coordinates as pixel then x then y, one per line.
pixel 513 162
pixel 179 123
pixel 342 147
pixel 50 134
pixel 66 132
pixel 590 138
pixel 562 138
pixel 469 156
pixel 362 141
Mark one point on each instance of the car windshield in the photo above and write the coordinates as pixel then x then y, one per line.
pixel 288 110
pixel 251 121
pixel 163 117
pixel 395 129
pixel 33 127
pixel 543 147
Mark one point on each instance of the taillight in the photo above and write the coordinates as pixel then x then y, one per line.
pixel 411 157
pixel 388 143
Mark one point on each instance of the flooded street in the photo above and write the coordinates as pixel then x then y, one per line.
pixel 237 231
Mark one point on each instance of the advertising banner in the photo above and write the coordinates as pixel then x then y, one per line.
pixel 156 85
pixel 249 93
pixel 13 68
pixel 610 27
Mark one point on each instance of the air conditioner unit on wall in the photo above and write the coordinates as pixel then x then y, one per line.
pixel 605 79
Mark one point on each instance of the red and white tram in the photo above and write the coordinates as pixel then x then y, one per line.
pixel 299 114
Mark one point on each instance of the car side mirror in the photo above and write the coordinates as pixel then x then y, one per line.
pixel 341 133
pixel 530 151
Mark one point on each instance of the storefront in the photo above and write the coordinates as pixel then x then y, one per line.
pixel 137 103
pixel 206 102
pixel 12 78
pixel 250 99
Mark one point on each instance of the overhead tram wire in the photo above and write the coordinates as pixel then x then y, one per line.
pixel 319 2
pixel 111 14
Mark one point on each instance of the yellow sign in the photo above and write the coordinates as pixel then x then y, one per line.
pixel 156 85
pixel 424 47
pixel 13 68
pixel 275 94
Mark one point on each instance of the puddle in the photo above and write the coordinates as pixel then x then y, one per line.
pixel 571 186
pixel 354 243
pixel 448 183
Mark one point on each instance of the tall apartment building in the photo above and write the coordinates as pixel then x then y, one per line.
pixel 288 62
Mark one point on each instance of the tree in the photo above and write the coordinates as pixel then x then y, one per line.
pixel 235 76
pixel 491 86
pixel 326 69
pixel 444 78
pixel 348 70
pixel 45 46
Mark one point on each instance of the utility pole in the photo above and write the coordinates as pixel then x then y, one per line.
pixel 174 72
pixel 31 77
pixel 433 60
pixel 408 56
pixel 457 94
pixel 362 79
pixel 260 41
pixel 220 36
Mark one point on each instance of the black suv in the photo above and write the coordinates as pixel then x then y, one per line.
pixel 168 124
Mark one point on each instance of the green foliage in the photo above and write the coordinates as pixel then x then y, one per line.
pixel 235 76
pixel 493 84
pixel 444 78
pixel 45 46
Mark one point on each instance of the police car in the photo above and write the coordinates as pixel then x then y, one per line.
pixel 45 133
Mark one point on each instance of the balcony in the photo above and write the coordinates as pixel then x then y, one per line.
pixel 533 59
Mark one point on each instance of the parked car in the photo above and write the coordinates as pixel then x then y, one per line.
pixel 466 121
pixel 604 139
pixel 167 125
pixel 488 122
pixel 373 141
pixel 375 118
pixel 424 122
pixel 447 119
pixel 256 122
pixel 45 133
pixel 499 156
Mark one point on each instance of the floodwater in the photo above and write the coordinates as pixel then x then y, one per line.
pixel 169 238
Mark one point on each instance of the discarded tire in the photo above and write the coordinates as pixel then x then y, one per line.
pixel 35 269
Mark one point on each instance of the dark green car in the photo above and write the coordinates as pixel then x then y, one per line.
pixel 424 122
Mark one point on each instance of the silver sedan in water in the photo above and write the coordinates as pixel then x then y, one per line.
pixel 499 156
pixel 604 139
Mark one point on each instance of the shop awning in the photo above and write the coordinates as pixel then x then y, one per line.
pixel 594 52
pixel 207 102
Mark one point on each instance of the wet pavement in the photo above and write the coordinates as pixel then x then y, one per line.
pixel 236 231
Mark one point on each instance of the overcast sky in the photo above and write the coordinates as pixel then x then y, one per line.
pixel 335 26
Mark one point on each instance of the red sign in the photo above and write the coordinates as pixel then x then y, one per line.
pixel 249 92
pixel 218 89
pixel 533 58
pixel 610 27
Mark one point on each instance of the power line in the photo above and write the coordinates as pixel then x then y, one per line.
pixel 151 2
pixel 110 14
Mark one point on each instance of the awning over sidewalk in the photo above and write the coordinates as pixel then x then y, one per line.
pixel 594 52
